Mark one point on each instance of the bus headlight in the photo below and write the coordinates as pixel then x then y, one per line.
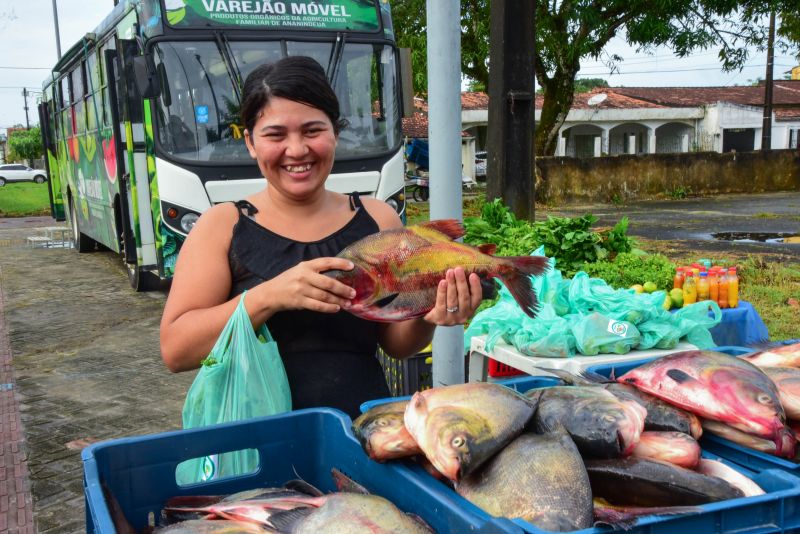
pixel 188 220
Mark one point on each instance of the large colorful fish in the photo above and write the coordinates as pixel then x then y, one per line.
pixel 397 271
pixel 718 387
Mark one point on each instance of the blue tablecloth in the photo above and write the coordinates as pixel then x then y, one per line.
pixel 740 326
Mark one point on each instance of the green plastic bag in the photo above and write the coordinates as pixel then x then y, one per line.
pixel 597 333
pixel 242 378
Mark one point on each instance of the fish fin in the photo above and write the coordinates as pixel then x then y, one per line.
pixel 285 521
pixel 385 301
pixel 679 376
pixel 347 484
pixel 581 378
pixel 302 486
pixel 488 248
pixel 452 228
pixel 518 281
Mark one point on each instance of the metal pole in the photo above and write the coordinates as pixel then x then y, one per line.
pixel 444 137
pixel 25 97
pixel 766 125
pixel 55 23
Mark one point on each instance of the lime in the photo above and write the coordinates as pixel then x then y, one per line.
pixel 667 303
pixel 649 287
pixel 638 288
pixel 677 297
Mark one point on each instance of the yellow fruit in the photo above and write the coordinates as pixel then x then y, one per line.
pixel 649 287
pixel 677 297
pixel 638 288
pixel 667 303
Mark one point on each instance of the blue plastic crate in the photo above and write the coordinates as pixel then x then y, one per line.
pixel 140 471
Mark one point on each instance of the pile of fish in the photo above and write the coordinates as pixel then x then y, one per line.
pixel 566 457
pixel 781 366
pixel 297 508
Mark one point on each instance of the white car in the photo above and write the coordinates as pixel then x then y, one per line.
pixel 480 164
pixel 13 172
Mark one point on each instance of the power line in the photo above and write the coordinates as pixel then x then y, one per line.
pixel 659 71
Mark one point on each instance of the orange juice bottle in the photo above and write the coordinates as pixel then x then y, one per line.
pixel 733 288
pixel 713 285
pixel 689 289
pixel 723 289
pixel 677 282
pixel 702 286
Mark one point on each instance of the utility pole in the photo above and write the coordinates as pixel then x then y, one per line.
pixel 25 96
pixel 55 23
pixel 444 133
pixel 510 167
pixel 766 125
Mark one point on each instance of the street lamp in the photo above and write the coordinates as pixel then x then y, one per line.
pixel 55 23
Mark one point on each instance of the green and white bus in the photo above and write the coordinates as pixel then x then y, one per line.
pixel 140 118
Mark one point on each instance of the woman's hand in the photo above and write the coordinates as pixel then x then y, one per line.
pixel 304 287
pixel 457 298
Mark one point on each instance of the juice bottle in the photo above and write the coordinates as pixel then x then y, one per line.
pixel 733 288
pixel 713 285
pixel 702 286
pixel 677 282
pixel 723 289
pixel 689 289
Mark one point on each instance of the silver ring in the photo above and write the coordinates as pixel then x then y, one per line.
pixel 452 310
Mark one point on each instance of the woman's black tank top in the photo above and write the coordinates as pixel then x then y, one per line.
pixel 329 358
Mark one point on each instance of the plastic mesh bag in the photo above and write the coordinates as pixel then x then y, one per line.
pixel 242 378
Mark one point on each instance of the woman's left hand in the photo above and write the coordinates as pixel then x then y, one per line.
pixel 457 298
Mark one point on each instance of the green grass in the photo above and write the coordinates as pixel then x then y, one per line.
pixel 24 199
pixel 766 215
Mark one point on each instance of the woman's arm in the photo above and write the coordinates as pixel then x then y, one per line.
pixel 198 307
pixel 455 292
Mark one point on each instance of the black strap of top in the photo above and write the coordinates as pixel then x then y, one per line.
pixel 246 208
pixel 355 201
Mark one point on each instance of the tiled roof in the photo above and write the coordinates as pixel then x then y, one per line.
pixel 416 126
pixel 471 101
pixel 784 92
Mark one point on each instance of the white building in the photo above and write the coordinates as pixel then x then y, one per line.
pixel 649 120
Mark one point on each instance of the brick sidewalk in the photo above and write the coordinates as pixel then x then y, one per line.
pixel 16 504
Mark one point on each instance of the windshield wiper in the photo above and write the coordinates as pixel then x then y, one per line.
pixel 336 59
pixel 230 64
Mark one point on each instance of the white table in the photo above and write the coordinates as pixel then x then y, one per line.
pixel 507 354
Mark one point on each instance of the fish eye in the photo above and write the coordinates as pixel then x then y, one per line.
pixel 458 442
pixel 608 418
pixel 382 422
pixel 763 398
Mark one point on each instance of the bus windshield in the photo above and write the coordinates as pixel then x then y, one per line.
pixel 197 113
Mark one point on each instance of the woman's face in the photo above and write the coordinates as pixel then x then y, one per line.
pixel 294 145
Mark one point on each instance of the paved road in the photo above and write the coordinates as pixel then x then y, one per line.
pixel 86 364
pixel 690 223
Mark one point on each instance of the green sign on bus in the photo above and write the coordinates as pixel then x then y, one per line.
pixel 352 15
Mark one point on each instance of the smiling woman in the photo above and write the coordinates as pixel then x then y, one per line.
pixel 277 243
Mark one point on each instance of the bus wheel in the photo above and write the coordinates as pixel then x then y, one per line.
pixel 139 279
pixel 83 243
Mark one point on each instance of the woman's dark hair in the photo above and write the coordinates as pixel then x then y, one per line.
pixel 297 78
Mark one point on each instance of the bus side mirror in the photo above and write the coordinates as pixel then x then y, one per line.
pixel 407 82
pixel 146 78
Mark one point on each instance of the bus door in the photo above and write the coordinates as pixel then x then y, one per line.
pixel 132 164
pixel 46 117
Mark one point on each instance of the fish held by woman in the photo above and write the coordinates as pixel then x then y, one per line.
pixel 396 272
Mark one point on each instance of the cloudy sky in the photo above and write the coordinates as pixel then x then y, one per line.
pixel 27 41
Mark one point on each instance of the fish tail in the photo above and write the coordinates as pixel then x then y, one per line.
pixel 517 280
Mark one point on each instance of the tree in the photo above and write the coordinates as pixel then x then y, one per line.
pixel 569 31
pixel 410 29
pixel 587 84
pixel 24 145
